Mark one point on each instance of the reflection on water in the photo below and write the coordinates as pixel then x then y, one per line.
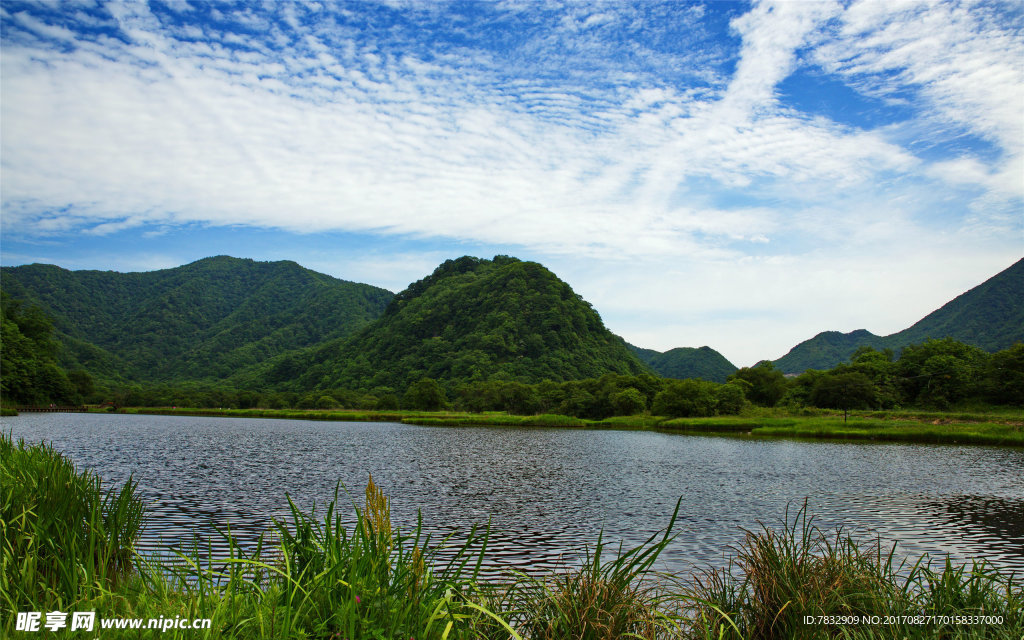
pixel 546 492
pixel 1000 520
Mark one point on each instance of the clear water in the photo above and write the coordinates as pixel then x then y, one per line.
pixel 548 492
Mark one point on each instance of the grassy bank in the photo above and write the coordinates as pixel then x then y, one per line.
pixel 1004 427
pixel 72 551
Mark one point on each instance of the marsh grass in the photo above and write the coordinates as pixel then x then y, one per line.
pixel 782 575
pixel 65 538
pixel 997 427
pixel 939 432
pixel 323 579
pixel 602 599
pixel 497 420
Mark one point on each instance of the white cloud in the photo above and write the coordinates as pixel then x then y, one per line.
pixel 963 59
pixel 667 170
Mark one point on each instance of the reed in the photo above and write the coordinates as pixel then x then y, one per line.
pixel 321 578
pixel 781 576
pixel 602 599
pixel 65 538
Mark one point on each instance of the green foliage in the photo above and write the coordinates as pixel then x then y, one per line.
pixel 207 320
pixel 27 358
pixel 845 391
pixel 327 402
pixel 731 397
pixel 686 398
pixel 1005 376
pixel 940 372
pixel 64 537
pixel 424 394
pixel 499 395
pixel 471 321
pixel 767 384
pixel 628 402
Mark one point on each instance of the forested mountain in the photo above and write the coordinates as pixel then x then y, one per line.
pixel 687 362
pixel 989 316
pixel 200 321
pixel 470 320
pixel 28 358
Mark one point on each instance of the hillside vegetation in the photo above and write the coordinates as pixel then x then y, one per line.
pixel 989 316
pixel 476 335
pixel 470 320
pixel 200 321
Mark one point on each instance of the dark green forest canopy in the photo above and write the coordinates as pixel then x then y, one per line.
pixel 29 373
pixel 989 316
pixel 201 321
pixel 470 320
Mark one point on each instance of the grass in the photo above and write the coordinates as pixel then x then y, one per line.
pixel 782 577
pixel 949 432
pixel 1003 427
pixel 68 546
pixel 50 513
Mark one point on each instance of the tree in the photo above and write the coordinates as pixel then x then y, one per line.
pixel 880 368
pixel 425 394
pixel 844 391
pixel 767 384
pixel 686 399
pixel 628 402
pixel 30 374
pixel 1005 376
pixel 327 402
pixel 941 372
pixel 730 398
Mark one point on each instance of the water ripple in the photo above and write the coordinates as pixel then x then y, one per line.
pixel 546 492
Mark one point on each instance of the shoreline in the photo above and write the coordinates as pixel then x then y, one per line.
pixel 931 427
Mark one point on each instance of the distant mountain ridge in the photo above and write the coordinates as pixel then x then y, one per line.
pixel 203 320
pixel 989 316
pixel 687 362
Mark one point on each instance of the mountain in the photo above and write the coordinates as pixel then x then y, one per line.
pixel 989 316
pixel 203 320
pixel 471 319
pixel 687 362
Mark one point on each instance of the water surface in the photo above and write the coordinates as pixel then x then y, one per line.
pixel 546 492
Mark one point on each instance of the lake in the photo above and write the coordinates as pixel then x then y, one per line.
pixel 547 492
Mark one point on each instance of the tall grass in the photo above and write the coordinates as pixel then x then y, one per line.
pixel 781 576
pixel 65 538
pixel 602 599
pixel 322 579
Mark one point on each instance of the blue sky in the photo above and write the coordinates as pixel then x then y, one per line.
pixel 734 175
